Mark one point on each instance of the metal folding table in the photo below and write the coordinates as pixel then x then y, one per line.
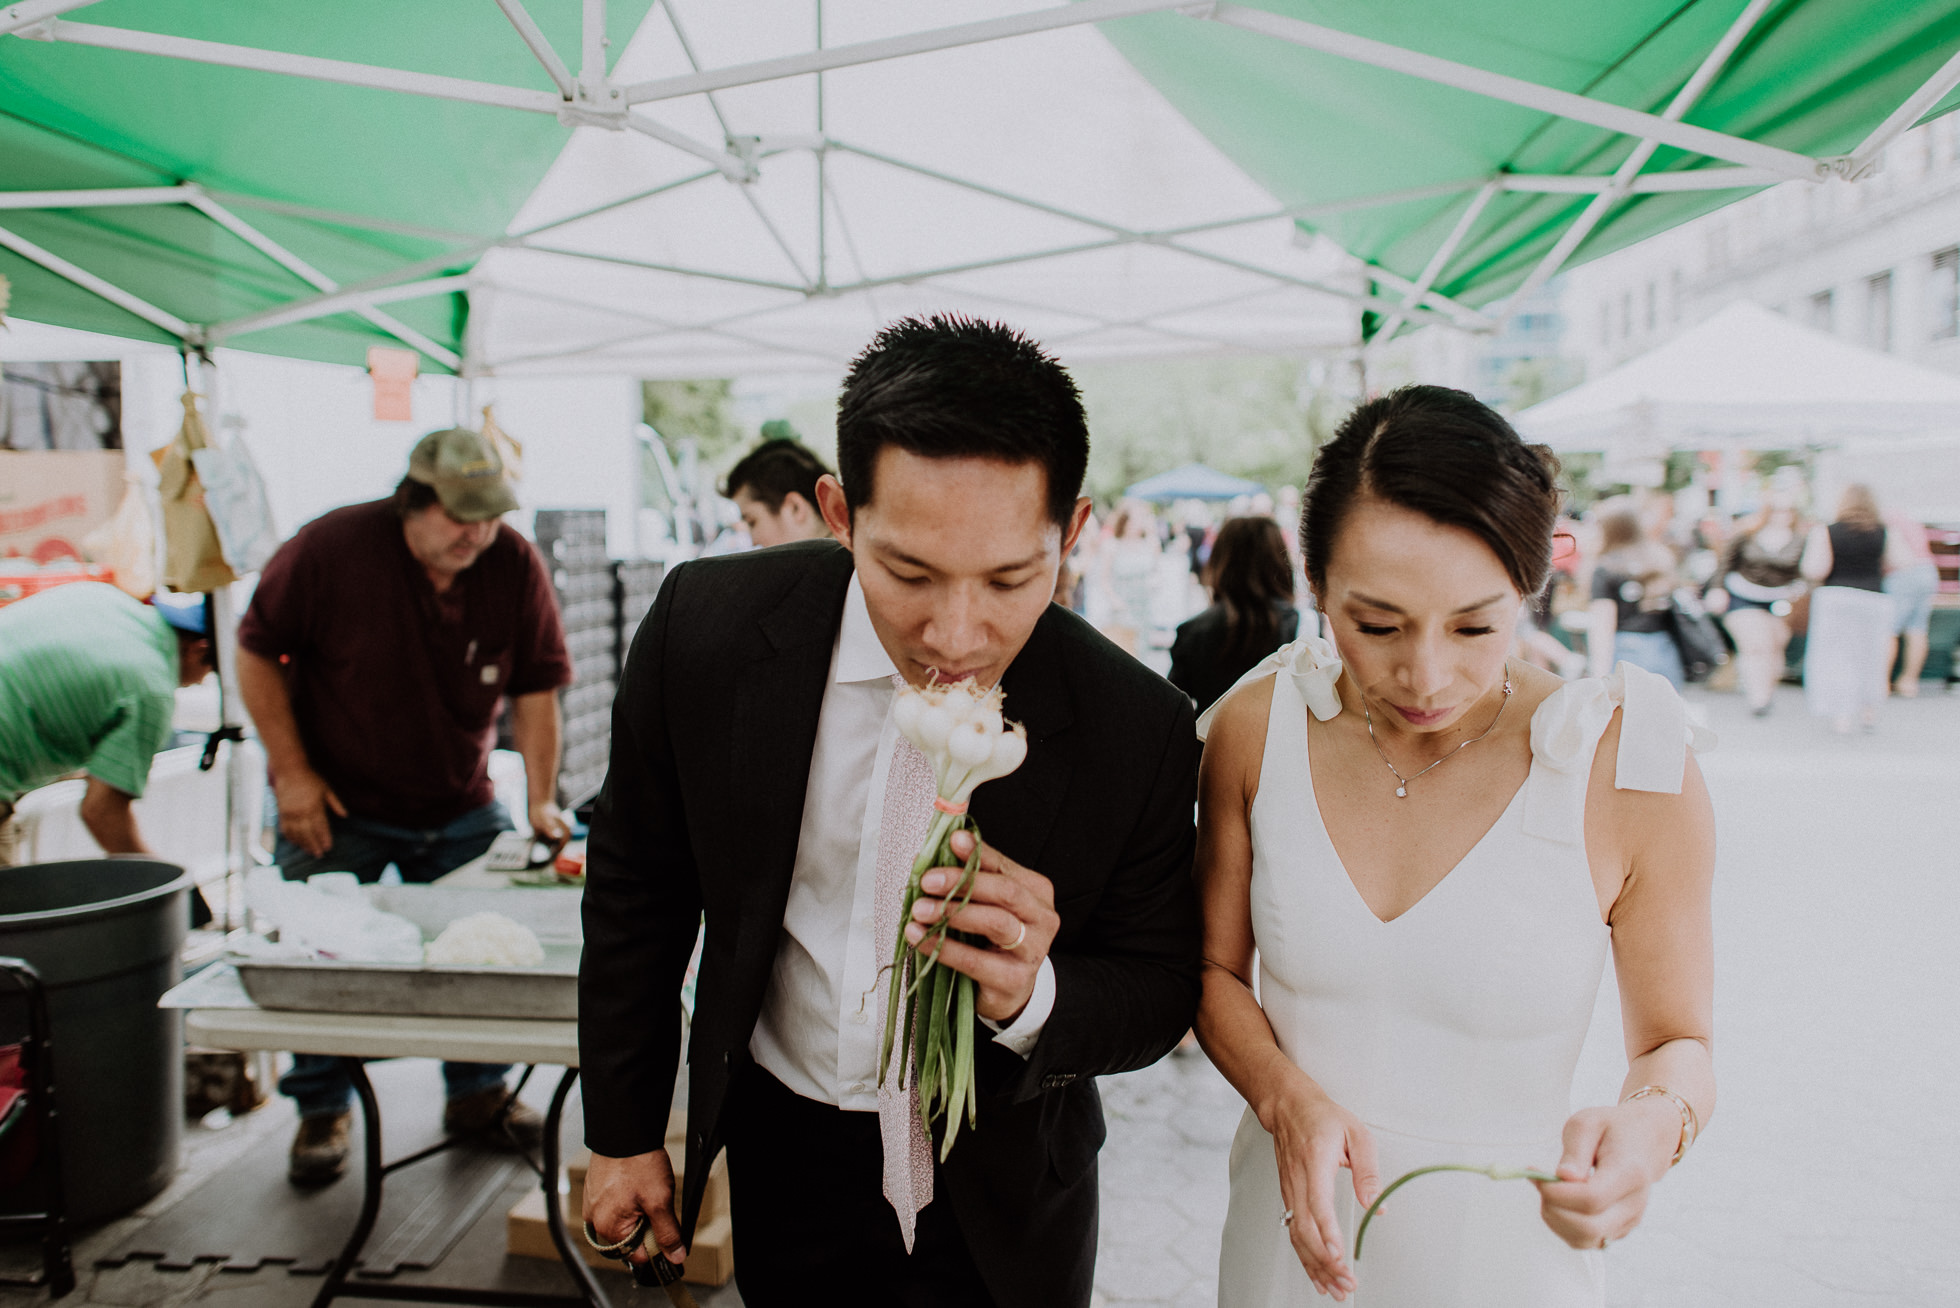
pixel 355 1038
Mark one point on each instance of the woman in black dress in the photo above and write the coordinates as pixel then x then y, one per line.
pixel 1252 612
pixel 1847 650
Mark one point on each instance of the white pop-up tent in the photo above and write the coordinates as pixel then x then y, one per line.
pixel 1749 378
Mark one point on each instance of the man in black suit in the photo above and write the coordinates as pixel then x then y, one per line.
pixel 752 743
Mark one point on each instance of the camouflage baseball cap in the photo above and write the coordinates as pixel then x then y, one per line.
pixel 467 474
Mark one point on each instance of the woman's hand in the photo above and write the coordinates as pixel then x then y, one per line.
pixel 1313 1138
pixel 1612 1158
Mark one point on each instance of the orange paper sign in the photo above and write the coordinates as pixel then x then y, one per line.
pixel 393 372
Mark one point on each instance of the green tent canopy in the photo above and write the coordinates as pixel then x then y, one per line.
pixel 310 179
pixel 236 179
pixel 1467 194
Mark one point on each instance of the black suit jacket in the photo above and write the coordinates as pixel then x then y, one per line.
pixel 713 731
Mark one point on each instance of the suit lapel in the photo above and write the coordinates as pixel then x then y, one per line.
pixel 1017 812
pixel 779 700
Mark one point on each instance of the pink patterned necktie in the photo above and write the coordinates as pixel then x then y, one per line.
pixel 909 792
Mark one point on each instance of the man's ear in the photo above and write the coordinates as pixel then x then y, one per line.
pixel 835 509
pixel 1078 519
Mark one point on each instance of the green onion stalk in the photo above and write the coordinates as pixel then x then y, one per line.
pixel 1494 1172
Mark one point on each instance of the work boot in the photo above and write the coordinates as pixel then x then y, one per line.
pixel 319 1153
pixel 482 1113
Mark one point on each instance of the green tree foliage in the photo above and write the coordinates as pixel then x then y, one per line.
pixel 701 411
pixel 1257 417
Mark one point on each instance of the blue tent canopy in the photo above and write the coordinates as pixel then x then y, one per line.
pixel 1193 481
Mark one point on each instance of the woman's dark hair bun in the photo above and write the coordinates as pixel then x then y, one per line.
pixel 1448 456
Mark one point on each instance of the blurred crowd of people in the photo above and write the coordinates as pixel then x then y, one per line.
pixel 1205 591
pixel 1680 597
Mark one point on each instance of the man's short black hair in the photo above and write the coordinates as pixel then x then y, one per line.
pixel 772 470
pixel 950 387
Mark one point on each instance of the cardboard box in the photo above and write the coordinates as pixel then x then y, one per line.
pixel 50 499
pixel 710 1259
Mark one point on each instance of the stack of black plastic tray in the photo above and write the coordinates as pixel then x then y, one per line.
pixel 573 542
pixel 602 602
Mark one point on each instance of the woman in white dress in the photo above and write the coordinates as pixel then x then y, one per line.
pixel 1429 931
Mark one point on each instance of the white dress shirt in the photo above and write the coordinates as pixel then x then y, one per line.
pixel 823 1018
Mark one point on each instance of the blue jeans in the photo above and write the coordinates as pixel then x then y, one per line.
pixel 319 1083
pixel 1653 650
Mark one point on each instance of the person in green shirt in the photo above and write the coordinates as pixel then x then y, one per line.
pixel 88 683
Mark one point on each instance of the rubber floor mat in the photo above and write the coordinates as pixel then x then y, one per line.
pixel 248 1214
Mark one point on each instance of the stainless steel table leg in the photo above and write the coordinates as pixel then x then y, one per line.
pixel 372 1172
pixel 554 1213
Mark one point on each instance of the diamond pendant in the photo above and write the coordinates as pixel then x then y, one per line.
pixel 1401 792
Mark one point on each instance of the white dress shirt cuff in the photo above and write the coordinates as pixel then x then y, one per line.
pixel 1021 1034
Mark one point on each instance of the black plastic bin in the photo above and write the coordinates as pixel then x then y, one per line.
pixel 107 936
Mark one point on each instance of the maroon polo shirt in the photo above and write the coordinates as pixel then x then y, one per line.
pixel 395 687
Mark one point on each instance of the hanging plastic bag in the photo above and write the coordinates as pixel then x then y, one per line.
pixel 234 495
pixel 192 558
pixel 508 447
pixel 126 543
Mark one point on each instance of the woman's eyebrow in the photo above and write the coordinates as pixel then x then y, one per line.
pixel 1368 601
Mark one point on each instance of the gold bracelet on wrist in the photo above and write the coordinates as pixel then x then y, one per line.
pixel 1690 1123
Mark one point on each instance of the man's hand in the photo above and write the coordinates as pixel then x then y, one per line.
pixel 304 798
pixel 548 822
pixel 618 1190
pixel 1011 906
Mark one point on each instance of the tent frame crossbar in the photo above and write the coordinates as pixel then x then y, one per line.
pixel 1623 177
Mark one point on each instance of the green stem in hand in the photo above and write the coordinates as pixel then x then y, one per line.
pixel 1494 1172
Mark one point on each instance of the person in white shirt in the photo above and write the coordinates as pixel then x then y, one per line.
pixel 752 787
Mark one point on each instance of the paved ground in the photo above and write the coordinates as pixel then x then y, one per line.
pixel 1830 1175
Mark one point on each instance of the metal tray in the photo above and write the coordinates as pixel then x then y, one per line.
pixel 548 991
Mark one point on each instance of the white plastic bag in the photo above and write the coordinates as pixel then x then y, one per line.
pixel 126 543
pixel 235 496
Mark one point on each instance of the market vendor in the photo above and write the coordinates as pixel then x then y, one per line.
pixel 88 683
pixel 381 641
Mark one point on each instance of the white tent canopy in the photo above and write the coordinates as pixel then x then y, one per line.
pixel 1749 377
pixel 942 177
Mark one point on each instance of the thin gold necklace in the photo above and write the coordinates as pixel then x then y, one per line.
pixel 1402 786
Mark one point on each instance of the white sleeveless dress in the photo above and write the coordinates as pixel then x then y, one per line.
pixel 1451 1031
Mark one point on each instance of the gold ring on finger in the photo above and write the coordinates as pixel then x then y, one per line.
pixel 1019 936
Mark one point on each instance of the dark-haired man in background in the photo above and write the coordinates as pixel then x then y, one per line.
pixel 378 647
pixel 753 745
pixel 775 487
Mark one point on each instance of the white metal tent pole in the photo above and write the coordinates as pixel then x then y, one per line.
pixel 1623 176
pixel 110 197
pixel 592 43
pixel 627 261
pixel 1917 106
pixel 1698 179
pixel 1530 95
pixel 823 158
pixel 88 281
pixel 294 65
pixel 307 273
pixel 1439 260
pixel 224 646
pixel 324 306
pixel 534 37
pixel 15 17
pixel 1078 14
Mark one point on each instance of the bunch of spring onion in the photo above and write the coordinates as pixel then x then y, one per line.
pixel 929 1008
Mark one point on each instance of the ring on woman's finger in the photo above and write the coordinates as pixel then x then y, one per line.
pixel 1019 936
pixel 1286 1218
pixel 1603 1242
